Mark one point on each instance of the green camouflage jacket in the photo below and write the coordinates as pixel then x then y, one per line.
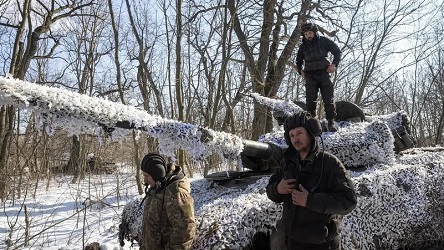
pixel 168 217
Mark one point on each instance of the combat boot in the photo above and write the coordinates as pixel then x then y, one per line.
pixel 331 126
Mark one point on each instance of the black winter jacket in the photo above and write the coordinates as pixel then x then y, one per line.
pixel 331 195
pixel 315 54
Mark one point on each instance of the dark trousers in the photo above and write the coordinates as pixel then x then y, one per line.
pixel 294 245
pixel 315 81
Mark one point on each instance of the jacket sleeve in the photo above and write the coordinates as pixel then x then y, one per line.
pixel 271 189
pixel 341 198
pixel 334 50
pixel 180 210
pixel 299 59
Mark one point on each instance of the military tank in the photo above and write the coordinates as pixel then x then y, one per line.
pixel 400 201
pixel 360 141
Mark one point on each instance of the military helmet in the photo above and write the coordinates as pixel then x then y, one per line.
pixel 302 119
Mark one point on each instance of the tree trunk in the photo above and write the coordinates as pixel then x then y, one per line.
pixel 74 163
pixel 7 115
pixel 137 162
pixel 179 88
pixel 440 129
pixel 267 85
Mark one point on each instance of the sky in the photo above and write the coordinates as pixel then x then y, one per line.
pixel 401 190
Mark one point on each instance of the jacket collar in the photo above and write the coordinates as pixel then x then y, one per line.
pixel 311 156
pixel 174 175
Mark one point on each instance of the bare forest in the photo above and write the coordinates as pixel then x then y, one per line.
pixel 197 61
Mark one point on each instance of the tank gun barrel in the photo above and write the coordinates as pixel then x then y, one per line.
pixel 261 156
pixel 257 149
pixel 82 114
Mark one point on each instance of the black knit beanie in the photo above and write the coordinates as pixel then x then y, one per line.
pixel 154 164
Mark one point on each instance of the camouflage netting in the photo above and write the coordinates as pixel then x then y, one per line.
pixel 131 225
pixel 393 120
pixel 230 218
pixel 347 112
pixel 355 144
pixel 361 144
pixel 286 106
pixel 399 205
pixel 399 124
pixel 400 197
pixel 82 114
pixel 226 218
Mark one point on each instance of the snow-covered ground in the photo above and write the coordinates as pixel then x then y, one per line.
pixel 67 216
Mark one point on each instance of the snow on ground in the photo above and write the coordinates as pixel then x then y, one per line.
pixel 69 216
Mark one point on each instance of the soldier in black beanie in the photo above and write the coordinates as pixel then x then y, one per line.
pixel 314 187
pixel 154 165
pixel 168 216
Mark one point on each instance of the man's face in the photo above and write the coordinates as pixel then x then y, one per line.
pixel 309 35
pixel 148 179
pixel 300 139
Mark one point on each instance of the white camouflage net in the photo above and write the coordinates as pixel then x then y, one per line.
pixel 399 205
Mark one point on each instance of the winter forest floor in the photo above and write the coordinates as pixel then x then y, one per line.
pixel 69 216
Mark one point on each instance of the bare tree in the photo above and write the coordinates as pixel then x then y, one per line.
pixel 373 43
pixel 145 77
pixel 213 48
pixel 432 111
pixel 119 80
pixel 83 45
pixel 26 42
pixel 268 70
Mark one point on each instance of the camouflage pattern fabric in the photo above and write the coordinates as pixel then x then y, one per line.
pixel 169 218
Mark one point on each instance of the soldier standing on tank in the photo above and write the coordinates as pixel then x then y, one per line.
pixel 314 187
pixel 313 55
